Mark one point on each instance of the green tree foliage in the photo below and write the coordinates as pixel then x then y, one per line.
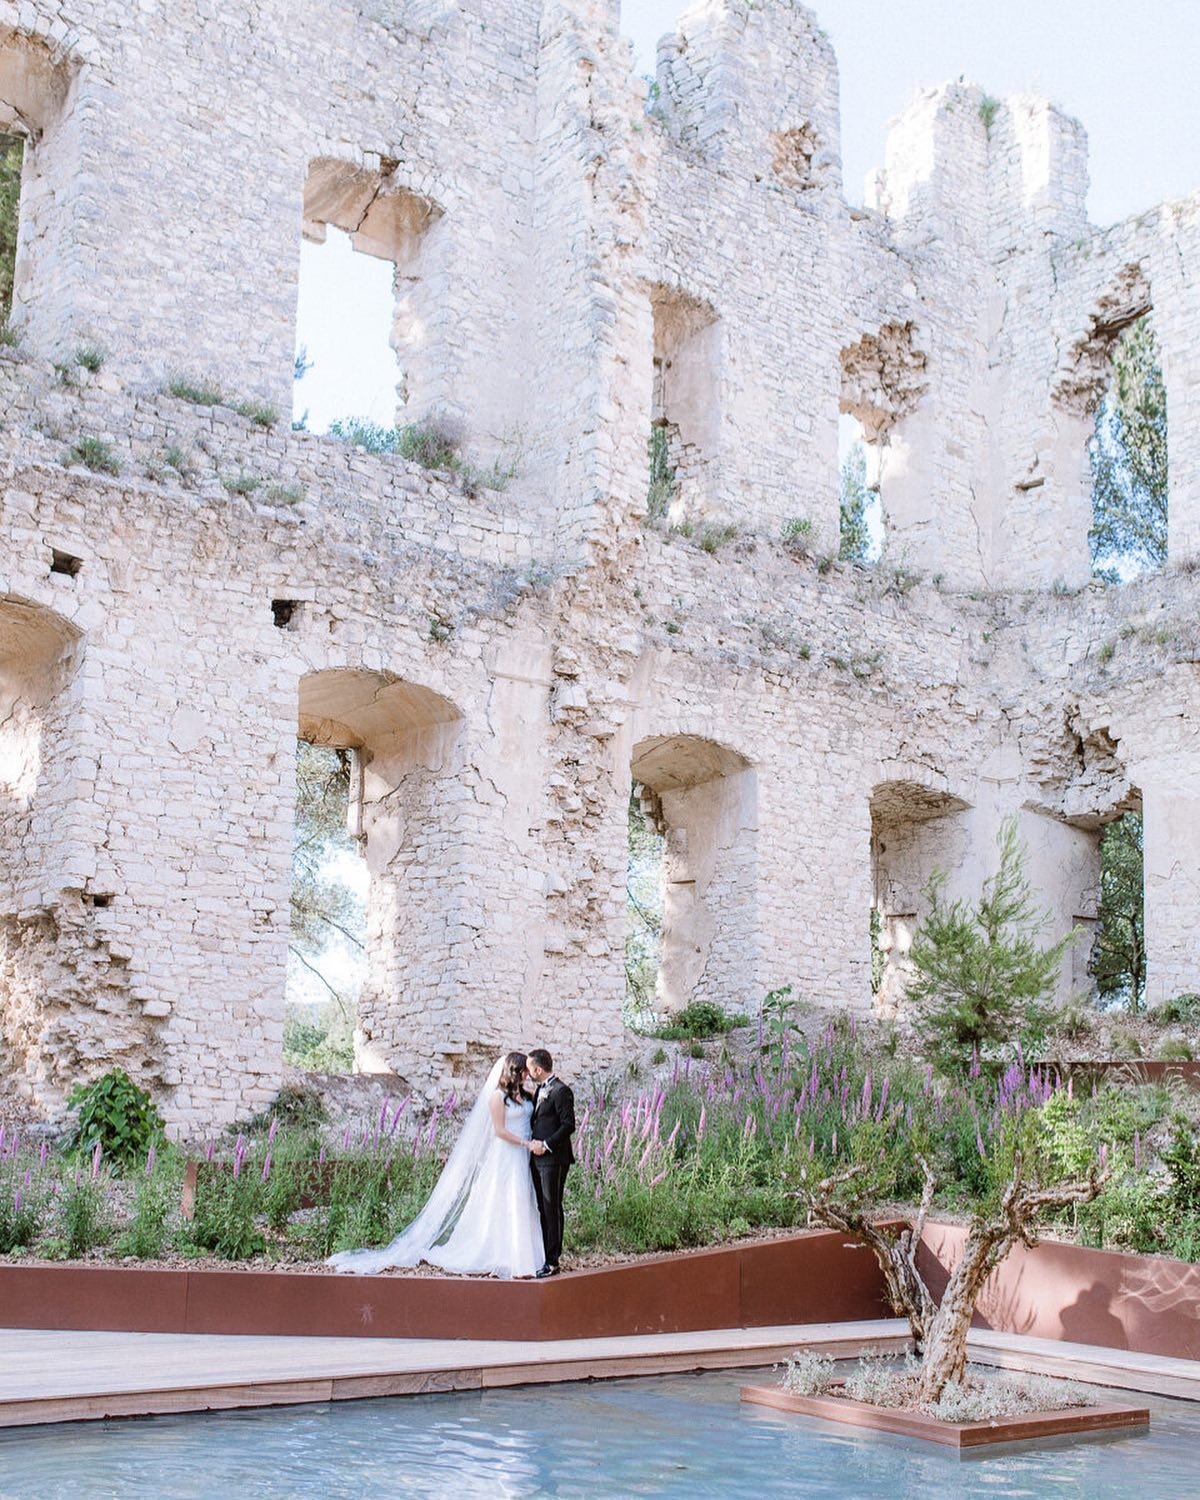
pixel 11 152
pixel 662 475
pixel 644 913
pixel 1118 960
pixel 1129 460
pixel 324 908
pixel 980 972
pixel 852 498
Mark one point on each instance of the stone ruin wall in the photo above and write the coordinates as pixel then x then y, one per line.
pixel 572 267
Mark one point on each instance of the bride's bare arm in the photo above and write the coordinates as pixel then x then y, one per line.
pixel 496 1108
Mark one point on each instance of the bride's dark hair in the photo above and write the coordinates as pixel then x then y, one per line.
pixel 511 1075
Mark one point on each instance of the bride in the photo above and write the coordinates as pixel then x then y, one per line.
pixel 482 1215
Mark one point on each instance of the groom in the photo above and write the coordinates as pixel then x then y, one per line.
pixel 551 1155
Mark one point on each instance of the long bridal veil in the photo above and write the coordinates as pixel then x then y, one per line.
pixel 451 1191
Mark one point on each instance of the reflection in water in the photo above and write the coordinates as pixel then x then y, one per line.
pixel 677 1435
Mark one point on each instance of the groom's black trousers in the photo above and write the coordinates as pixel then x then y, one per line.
pixel 549 1183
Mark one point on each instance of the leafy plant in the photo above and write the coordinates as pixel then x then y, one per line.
pixel 702 1018
pixel 989 108
pixel 980 974
pixel 12 149
pixel 20 1216
pixel 116 1116
pixel 198 392
pixel 90 357
pixel 83 1218
pixel 242 483
pixel 93 453
pixel 663 487
pixel 1180 1010
pixel 261 413
pixel 155 1197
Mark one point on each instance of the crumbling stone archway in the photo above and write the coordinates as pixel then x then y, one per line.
pixel 916 829
pixel 686 413
pixel 35 88
pixel 39 655
pixel 702 796
pixel 404 737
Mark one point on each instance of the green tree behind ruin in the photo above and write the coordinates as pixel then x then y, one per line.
pixel 852 502
pixel 11 152
pixel 1129 460
pixel 1118 961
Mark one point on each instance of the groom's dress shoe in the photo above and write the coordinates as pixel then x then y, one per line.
pixel 547 1271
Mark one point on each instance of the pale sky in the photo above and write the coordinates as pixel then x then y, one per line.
pixel 1126 70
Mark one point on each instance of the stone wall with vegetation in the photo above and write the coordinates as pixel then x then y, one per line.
pixel 510 633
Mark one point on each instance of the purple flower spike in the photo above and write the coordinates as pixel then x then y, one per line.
pixel 42 1155
pixel 150 1162
pixel 274 1130
pixel 96 1162
pixel 266 1168
pixel 208 1153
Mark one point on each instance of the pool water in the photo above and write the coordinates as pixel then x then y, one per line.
pixel 678 1435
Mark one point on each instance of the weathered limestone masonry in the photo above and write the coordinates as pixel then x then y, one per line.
pixel 574 264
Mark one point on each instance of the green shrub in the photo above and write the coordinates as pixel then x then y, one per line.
pixel 242 483
pixel 155 1199
pixel 93 453
pixel 702 1018
pixel 90 357
pixel 1176 1049
pixel 224 1220
pixel 261 413
pixel 1181 1010
pixel 21 1209
pixel 116 1115
pixel 198 392
pixel 83 1220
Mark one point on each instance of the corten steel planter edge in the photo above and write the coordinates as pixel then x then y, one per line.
pixel 1146 1304
pixel 1072 1421
pixel 813 1276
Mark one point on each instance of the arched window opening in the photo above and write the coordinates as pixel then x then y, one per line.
pixel 361 332
pixel 33 91
pixel 691 931
pixel 375 871
pixel 860 511
pixel 327 950
pixel 644 906
pixel 883 380
pixel 916 830
pixel 1128 457
pixel 685 414
pixel 38 659
pixel 1117 959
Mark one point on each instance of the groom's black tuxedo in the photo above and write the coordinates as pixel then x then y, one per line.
pixel 553 1122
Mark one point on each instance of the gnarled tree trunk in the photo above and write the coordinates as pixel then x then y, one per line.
pixel 940 1330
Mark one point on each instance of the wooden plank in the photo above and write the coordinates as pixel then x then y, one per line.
pixel 1032 1425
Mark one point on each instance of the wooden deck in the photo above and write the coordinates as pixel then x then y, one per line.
pixel 66 1377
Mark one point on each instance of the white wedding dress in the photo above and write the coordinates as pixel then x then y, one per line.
pixel 482 1214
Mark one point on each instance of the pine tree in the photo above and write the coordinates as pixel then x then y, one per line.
pixel 980 973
